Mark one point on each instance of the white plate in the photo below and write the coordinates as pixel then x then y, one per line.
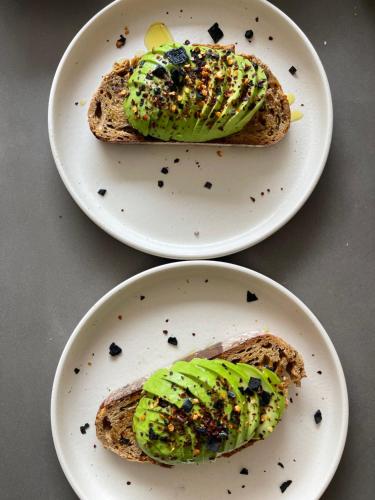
pixel 213 310
pixel 166 221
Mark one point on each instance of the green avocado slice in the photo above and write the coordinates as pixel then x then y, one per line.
pixel 271 413
pixel 236 435
pixel 215 390
pixel 252 400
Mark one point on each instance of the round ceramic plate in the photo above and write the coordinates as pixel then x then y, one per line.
pixel 208 299
pixel 254 190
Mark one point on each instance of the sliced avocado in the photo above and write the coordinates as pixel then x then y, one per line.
pixel 236 436
pixel 190 383
pixel 160 387
pixel 252 400
pixel 271 413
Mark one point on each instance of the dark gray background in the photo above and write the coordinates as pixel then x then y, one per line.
pixel 55 263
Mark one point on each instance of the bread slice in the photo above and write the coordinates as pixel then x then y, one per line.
pixel 114 420
pixel 108 123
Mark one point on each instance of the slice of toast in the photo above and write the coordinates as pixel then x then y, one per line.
pixel 114 420
pixel 108 123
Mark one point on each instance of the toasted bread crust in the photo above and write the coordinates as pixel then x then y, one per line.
pixel 108 123
pixel 114 419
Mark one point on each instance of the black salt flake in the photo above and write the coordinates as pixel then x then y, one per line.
pixel 244 471
pixel 114 349
pixel 208 185
pixel 318 417
pixel 215 32
pixel 102 192
pixel 160 183
pixel 187 405
pixel 76 370
pixel 251 297
pixel 83 428
pixel 177 56
pixel 292 70
pixel 285 485
pixel 172 340
pixel 249 34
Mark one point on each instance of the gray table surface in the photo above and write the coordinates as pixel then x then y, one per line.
pixel 55 263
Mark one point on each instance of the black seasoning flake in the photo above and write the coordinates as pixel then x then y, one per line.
pixel 172 340
pixel 102 192
pixel 165 332
pixel 187 42
pixel 215 33
pixel 265 398
pixel 160 184
pixel 249 34
pixel 159 71
pixel 292 70
pixel 319 372
pixel 128 483
pixel 152 434
pixel 120 42
pixel 176 160
pixel 114 349
pixel 285 485
pixel 76 370
pixel 187 405
pixel 229 492
pixel 251 297
pixel 270 38
pixel 231 394
pixel 83 428
pixel 244 471
pixel 142 297
pixel 177 56
pixel 213 444
pixel 318 417
pixel 164 170
pixel 254 383
pixel 208 185
pixel 280 465
pixel 257 19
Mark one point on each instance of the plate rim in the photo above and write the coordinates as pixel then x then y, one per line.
pixel 218 248
pixel 186 264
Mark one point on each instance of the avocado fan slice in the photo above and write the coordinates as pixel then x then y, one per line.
pixel 270 414
pixel 236 435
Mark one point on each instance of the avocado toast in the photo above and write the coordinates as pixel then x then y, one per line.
pixel 190 93
pixel 213 403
